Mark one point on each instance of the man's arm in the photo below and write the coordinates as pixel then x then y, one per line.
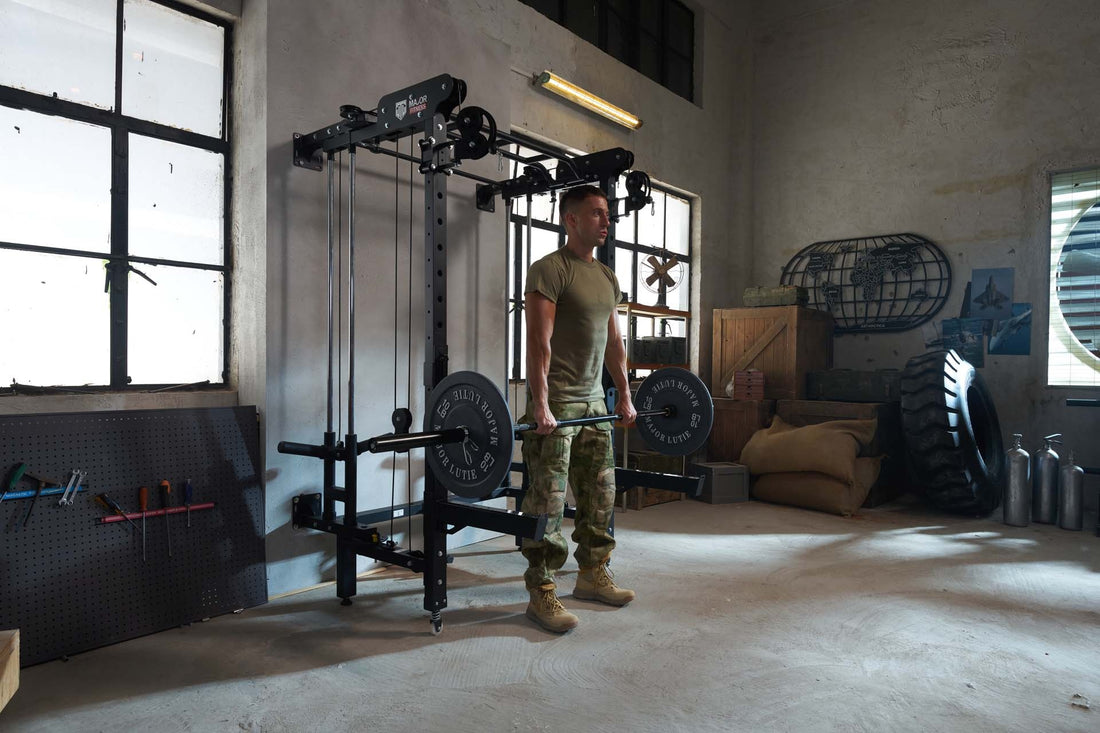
pixel 614 358
pixel 540 312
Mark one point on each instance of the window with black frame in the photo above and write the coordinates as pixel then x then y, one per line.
pixel 656 37
pixel 114 265
pixel 652 263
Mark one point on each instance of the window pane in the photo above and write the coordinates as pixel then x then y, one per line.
pixel 172 68
pixel 54 320
pixel 39 206
pixel 542 207
pixel 676 297
pixel 649 15
pixel 681 30
pixel 581 18
pixel 542 243
pixel 175 327
pixel 176 201
pixel 63 48
pixel 649 57
pixel 624 228
pixel 624 270
pixel 678 71
pixel 618 35
pixel 677 225
pixel 651 222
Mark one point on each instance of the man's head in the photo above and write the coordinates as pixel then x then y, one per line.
pixel 585 215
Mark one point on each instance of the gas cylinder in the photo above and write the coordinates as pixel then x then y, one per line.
pixel 1017 504
pixel 1071 495
pixel 1044 482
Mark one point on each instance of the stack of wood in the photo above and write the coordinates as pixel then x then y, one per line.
pixel 748 385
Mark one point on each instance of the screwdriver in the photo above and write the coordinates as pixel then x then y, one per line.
pixel 167 489
pixel 188 495
pixel 112 506
pixel 143 501
pixel 16 475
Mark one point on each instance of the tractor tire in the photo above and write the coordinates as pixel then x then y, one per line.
pixel 952 435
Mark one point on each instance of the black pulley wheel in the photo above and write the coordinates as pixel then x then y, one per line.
pixel 952 434
pixel 476 466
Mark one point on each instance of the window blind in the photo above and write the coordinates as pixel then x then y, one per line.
pixel 1073 356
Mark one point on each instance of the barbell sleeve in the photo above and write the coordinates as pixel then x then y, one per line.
pixel 306 449
pixel 404 442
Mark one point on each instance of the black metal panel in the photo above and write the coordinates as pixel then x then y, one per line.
pixel 70 583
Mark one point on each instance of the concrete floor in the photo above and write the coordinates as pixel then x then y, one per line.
pixel 750 617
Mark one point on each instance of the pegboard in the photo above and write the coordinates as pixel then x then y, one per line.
pixel 71 583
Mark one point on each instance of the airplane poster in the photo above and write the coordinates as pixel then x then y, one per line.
pixel 1014 335
pixel 965 335
pixel 991 294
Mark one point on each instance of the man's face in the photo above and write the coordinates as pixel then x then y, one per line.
pixel 591 220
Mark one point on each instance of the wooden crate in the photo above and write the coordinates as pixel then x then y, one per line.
pixel 734 423
pixel 784 342
pixel 9 665
pixel 889 439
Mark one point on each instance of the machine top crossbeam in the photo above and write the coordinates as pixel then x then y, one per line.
pixel 399 114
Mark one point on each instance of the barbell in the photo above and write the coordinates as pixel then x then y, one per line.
pixel 470 437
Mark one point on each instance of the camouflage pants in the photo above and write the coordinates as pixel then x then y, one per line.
pixel 577 456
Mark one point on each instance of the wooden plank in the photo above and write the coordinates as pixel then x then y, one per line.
pixel 760 344
pixel 9 665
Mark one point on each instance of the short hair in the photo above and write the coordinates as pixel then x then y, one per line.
pixel 576 195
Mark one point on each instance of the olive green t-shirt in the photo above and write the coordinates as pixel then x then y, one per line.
pixel 585 293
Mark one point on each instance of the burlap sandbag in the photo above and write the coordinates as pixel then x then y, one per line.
pixel 829 447
pixel 813 490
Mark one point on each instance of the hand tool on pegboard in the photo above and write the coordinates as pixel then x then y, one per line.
pixel 112 506
pixel 74 486
pixel 16 476
pixel 42 482
pixel 143 502
pixel 188 495
pixel 166 489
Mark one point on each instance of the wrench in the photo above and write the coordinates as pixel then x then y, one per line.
pixel 72 480
pixel 67 498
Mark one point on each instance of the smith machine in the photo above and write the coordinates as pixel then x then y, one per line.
pixel 467 426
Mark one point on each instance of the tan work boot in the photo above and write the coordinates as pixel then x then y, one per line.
pixel 546 610
pixel 595 584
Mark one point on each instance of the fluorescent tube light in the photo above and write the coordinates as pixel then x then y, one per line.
pixel 586 99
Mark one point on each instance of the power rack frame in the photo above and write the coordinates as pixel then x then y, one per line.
pixel 447 138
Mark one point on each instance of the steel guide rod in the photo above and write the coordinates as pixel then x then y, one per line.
pixel 330 434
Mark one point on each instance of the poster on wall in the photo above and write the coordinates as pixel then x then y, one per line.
pixel 990 296
pixel 965 335
pixel 1013 336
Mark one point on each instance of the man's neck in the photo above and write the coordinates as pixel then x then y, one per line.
pixel 580 251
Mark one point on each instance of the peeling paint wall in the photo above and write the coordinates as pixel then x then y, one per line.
pixel 939 118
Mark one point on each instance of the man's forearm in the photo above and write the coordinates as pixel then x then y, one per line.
pixel 614 358
pixel 538 369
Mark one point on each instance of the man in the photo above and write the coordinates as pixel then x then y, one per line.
pixel 573 330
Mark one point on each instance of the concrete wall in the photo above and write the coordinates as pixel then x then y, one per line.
pixel 943 118
pixel 323 54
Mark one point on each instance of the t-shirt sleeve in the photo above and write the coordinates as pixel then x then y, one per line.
pixel 618 297
pixel 545 279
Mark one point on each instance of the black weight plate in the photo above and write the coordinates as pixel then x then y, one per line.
pixel 684 431
pixel 477 465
